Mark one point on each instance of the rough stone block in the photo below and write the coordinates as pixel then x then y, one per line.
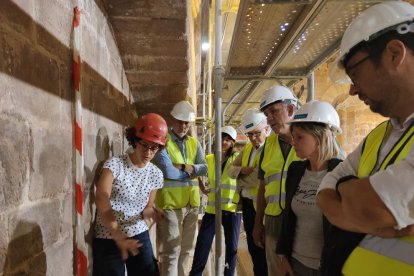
pixel 152 28
pixel 152 93
pixel 16 154
pixel 32 224
pixel 53 167
pixel 144 46
pixel 60 259
pixel 153 63
pixel 23 61
pixel 147 8
pixel 52 17
pixel 159 78
pixel 18 16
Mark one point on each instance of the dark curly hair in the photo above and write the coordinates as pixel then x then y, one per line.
pixel 131 138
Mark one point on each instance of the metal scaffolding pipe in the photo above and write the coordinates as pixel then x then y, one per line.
pixel 311 87
pixel 218 79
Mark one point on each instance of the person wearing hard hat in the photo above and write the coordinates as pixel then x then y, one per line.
pixel 230 218
pixel 278 104
pixel 244 169
pixel 372 190
pixel 181 162
pixel 125 195
pixel 305 232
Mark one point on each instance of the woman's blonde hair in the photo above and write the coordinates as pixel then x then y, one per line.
pixel 328 147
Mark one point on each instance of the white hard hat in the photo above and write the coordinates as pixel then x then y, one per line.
pixel 367 26
pixel 230 131
pixel 183 111
pixel 318 112
pixel 252 119
pixel 275 94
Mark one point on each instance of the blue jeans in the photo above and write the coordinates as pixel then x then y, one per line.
pixel 107 260
pixel 257 254
pixel 231 224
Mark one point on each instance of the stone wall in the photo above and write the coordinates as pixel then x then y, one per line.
pixel 36 125
pixel 357 120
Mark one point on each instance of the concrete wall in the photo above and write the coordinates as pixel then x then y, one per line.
pixel 36 126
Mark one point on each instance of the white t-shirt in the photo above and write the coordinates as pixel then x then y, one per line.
pixel 129 196
pixel 393 185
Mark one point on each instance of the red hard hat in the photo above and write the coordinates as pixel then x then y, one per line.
pixel 152 127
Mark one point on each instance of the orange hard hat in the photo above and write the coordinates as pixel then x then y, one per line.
pixel 152 127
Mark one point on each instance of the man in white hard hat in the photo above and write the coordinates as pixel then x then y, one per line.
pixel 278 104
pixel 244 169
pixel 372 191
pixel 181 162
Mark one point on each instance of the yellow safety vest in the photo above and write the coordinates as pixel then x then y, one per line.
pixel 375 255
pixel 251 193
pixel 229 197
pixel 178 194
pixel 275 168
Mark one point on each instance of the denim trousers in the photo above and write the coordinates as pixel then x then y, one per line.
pixel 107 260
pixel 231 224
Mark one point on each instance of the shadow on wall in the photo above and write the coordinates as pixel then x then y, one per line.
pixel 102 152
pixel 25 255
pixel 56 66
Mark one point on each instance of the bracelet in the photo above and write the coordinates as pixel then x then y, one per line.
pixel 342 180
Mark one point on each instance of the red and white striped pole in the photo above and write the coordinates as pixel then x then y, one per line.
pixel 81 256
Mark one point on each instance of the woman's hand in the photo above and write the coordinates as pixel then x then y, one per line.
pixel 285 267
pixel 258 236
pixel 126 245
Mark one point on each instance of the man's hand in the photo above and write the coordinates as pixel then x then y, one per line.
pixel 158 214
pixel 246 170
pixel 391 232
pixel 258 235
pixel 285 267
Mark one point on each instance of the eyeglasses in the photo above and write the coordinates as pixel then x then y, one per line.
pixel 254 134
pixel 148 147
pixel 352 67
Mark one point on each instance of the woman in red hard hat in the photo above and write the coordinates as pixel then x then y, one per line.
pixel 125 195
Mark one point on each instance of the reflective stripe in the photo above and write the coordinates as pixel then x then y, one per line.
pixel 228 187
pixel 273 177
pixel 396 249
pixel 179 184
pixel 223 201
pixel 275 198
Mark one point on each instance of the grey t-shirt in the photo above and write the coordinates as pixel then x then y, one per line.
pixel 308 240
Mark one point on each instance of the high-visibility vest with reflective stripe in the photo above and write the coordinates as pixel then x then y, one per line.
pixel 178 194
pixel 251 193
pixel 275 168
pixel 375 255
pixel 229 197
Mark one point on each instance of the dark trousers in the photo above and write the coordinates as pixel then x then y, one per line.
pixel 257 254
pixel 107 260
pixel 231 224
